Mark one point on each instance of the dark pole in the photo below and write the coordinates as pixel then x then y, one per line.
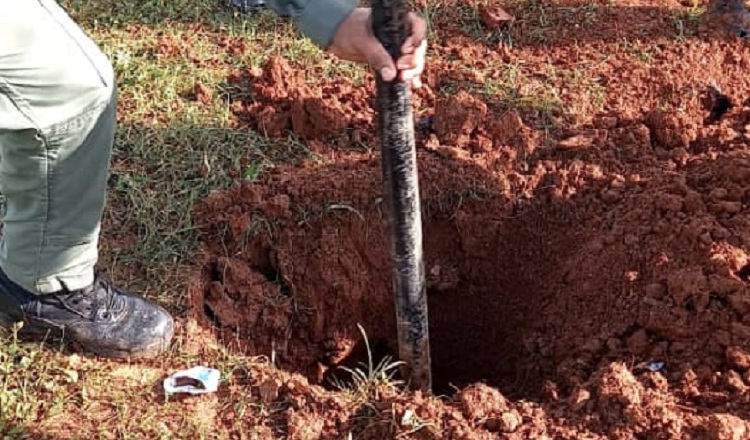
pixel 396 126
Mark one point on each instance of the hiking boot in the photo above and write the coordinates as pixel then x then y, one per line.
pixel 101 319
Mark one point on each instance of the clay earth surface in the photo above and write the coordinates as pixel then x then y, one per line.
pixel 586 231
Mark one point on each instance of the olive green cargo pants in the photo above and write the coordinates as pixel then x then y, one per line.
pixel 57 122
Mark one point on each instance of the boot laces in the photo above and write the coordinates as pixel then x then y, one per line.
pixel 100 301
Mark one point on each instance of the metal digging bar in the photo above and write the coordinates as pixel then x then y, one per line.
pixel 396 126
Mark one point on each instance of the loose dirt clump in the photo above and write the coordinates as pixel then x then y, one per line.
pixel 588 267
pixel 670 130
pixel 284 101
pixel 494 17
pixel 456 118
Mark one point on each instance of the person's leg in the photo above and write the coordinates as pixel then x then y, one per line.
pixel 54 84
pixel 57 123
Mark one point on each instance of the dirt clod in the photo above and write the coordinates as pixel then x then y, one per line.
pixel 482 402
pixel 203 94
pixel 575 143
pixel 670 130
pixel 494 17
pixel 457 116
pixel 619 395
pixel 739 358
pixel 510 421
pixel 726 427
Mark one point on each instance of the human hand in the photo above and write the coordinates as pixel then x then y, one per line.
pixel 355 41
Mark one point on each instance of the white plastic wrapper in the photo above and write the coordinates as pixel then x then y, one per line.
pixel 196 380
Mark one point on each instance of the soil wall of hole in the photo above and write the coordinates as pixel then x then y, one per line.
pixel 522 292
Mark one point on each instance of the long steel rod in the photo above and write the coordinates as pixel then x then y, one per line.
pixel 396 127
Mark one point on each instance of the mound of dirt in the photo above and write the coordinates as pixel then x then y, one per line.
pixel 589 282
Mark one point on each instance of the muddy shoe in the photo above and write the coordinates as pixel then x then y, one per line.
pixel 733 15
pixel 100 318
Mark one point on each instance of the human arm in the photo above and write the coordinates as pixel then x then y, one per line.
pixel 345 30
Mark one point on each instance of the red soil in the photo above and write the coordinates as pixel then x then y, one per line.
pixel 567 251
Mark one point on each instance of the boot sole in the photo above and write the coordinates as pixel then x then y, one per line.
pixel 34 333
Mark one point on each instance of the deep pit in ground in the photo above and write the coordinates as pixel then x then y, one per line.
pixel 534 282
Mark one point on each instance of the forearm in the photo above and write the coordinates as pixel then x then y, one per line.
pixel 316 19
